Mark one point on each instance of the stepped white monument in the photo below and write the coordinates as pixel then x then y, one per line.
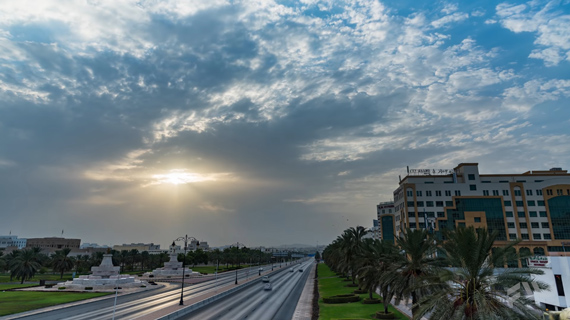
pixel 172 268
pixel 105 276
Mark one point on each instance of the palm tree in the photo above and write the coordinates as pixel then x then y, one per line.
pixel 351 245
pixel 374 261
pixel 24 265
pixel 478 289
pixel 134 253
pixel 62 261
pixel 413 272
pixel 144 257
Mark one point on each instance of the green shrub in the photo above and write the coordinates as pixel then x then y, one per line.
pixel 352 285
pixel 88 288
pixel 61 288
pixel 143 286
pixel 49 286
pixel 382 315
pixel 359 291
pixel 343 298
pixel 371 301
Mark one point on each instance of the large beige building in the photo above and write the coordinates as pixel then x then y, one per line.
pixel 53 243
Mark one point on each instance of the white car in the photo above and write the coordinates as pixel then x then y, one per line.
pixel 292 270
pixel 265 279
pixel 267 287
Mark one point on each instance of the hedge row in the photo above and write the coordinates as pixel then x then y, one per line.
pixel 344 298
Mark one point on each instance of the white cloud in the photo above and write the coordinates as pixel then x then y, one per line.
pixel 551 26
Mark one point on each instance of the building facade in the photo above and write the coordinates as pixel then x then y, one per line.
pixel 533 207
pixel 12 241
pixel 386 214
pixel 149 247
pixel 53 243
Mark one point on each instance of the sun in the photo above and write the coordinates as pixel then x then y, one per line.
pixel 180 176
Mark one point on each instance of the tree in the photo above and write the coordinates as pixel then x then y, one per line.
pixel 351 245
pixel 413 272
pixel 62 262
pixel 477 290
pixel 144 257
pixel 24 265
pixel 134 253
pixel 374 261
pixel 317 256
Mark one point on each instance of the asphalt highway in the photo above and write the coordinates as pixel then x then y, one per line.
pixel 138 304
pixel 256 303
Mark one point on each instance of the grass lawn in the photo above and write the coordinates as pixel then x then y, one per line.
pixel 20 301
pixel 330 285
pixel 15 286
pixel 4 277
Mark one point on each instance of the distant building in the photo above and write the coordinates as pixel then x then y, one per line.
pixel 385 212
pixel 12 241
pixel 149 247
pixel 52 244
pixel 92 245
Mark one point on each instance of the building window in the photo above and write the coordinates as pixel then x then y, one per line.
pixel 457 192
pixel 430 214
pixel 538 192
pixel 409 193
pixel 410 203
pixel 449 203
pixel 558 192
pixel 540 203
pixel 559 285
pixel 519 203
pixel 523 225
pixel 461 224
pixel 545 225
pixel 485 192
pixel 512 235
pixel 428 193
pixel 510 224
pixel 542 214
pixel 508 203
pixel 517 192
pixel 530 203
pixel 549 192
pixel 521 214
pixel 472 187
pixel 505 192
pixel 532 214
pixel 524 236
pixel 534 225
pixel 438 193
pixel 495 192
pixel 429 203
pixel 471 176
pixel 419 193
pixel 477 219
pixel 447 193
pixel 536 236
pixel 547 236
pixel 439 203
pixel 509 213
pixel 420 204
pixel 440 214
pixel 529 192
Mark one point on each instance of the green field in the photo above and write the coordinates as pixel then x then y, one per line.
pixel 20 301
pixel 5 277
pixel 6 286
pixel 330 284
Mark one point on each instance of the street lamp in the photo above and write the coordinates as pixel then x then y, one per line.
pixel 237 245
pixel 185 239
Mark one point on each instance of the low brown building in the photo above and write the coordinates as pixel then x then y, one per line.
pixel 53 243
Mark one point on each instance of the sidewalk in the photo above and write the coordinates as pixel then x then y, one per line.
pixel 304 310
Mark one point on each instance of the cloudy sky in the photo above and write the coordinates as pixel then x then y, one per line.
pixel 264 122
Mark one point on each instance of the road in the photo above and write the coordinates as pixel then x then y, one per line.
pixel 138 304
pixel 255 303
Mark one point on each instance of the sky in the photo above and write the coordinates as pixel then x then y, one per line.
pixel 264 122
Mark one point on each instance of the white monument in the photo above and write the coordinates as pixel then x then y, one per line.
pixel 105 276
pixel 172 268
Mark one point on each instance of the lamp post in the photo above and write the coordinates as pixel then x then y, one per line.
pixel 185 239
pixel 237 254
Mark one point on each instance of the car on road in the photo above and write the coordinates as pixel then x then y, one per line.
pixel 300 269
pixel 292 270
pixel 267 287
pixel 265 279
